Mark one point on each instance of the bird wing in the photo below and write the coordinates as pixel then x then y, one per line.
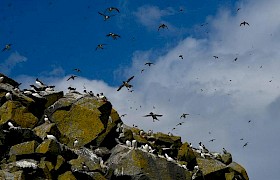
pixel 69 78
pixel 159 115
pixel 130 78
pixel 101 14
pixel 147 115
pixel 120 87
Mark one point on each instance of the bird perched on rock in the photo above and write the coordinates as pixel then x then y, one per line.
pixel 113 35
pixel 49 136
pixel 134 143
pixel 76 142
pixel 110 9
pixel 153 115
pixel 72 77
pixel 162 26
pixel 244 23
pixel 40 83
pixel 106 17
pixel 1 79
pixel 126 84
pixel 8 96
pixel 7 47
pixel 128 143
pixel 46 119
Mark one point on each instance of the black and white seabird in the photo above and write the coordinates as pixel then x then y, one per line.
pixel 126 84
pixel 40 83
pixel 216 57
pixel 184 115
pixel 181 56
pixel 149 63
pixel 110 9
pixel 179 124
pixel 245 144
pixel 244 23
pixel 100 46
pixel 153 115
pixel 162 26
pixel 113 35
pixel 106 17
pixel 76 142
pixel 72 77
pixel 1 79
pixel 8 96
pixel 46 119
pixel 212 140
pixel 7 47
pixel 77 70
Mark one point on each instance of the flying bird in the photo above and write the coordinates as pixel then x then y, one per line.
pixel 238 9
pixel 181 56
pixel 113 35
pixel 72 77
pixel 244 23
pixel 110 9
pixel 212 140
pixel 148 63
pixel 7 47
pixel 235 59
pixel 106 17
pixel 245 144
pixel 153 115
pixel 77 70
pixel 126 84
pixel 179 124
pixel 100 46
pixel 216 57
pixel 142 70
pixel 184 115
pixel 162 26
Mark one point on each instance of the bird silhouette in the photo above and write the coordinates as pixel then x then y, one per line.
pixel 106 17
pixel 216 57
pixel 184 115
pixel 100 46
pixel 245 144
pixel 212 140
pixel 7 47
pixel 179 124
pixel 126 84
pixel 244 23
pixel 153 115
pixel 113 35
pixel 181 56
pixel 162 26
pixel 110 9
pixel 148 63
pixel 72 77
pixel 77 70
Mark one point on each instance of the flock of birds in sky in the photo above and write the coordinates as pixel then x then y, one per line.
pixel 107 15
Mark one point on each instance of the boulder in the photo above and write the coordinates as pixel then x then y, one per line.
pixel 85 119
pixel 24 148
pixel 17 175
pixel 49 146
pixel 186 154
pixel 15 111
pixel 226 158
pixel 67 176
pixel 235 167
pixel 136 164
pixel 211 168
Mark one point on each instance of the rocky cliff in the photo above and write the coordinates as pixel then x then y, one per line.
pixel 46 134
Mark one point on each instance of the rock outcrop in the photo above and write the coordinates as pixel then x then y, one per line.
pixel 49 135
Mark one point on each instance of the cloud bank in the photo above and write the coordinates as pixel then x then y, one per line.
pixel 221 95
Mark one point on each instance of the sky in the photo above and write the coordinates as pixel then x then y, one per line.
pixel 232 97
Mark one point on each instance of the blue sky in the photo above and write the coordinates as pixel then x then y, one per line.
pixel 51 38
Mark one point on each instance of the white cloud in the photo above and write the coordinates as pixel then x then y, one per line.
pixel 152 16
pixel 13 60
pixel 221 95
